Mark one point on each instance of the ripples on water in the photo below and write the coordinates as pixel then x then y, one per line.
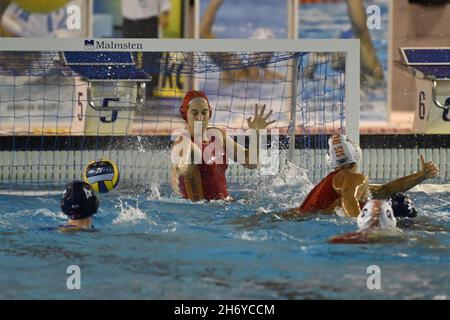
pixel 151 244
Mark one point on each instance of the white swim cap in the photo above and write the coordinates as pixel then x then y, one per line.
pixel 377 214
pixel 342 151
pixel 263 33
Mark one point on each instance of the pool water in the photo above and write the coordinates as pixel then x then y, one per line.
pixel 152 245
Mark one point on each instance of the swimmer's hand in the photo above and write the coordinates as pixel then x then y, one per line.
pixel 184 169
pixel 428 169
pixel 259 120
pixel 185 163
pixel 174 180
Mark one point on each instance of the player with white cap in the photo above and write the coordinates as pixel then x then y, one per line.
pixel 348 189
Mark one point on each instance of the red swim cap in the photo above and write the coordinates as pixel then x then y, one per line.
pixel 190 95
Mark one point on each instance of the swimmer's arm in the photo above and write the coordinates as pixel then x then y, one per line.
pixel 428 170
pixel 369 60
pixel 240 154
pixel 185 154
pixel 348 187
pixel 174 181
pixel 258 122
pixel 248 162
pixel 208 18
pixel 229 144
pixel 399 185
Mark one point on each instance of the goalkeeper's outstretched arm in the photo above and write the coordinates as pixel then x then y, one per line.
pixel 258 122
pixel 428 170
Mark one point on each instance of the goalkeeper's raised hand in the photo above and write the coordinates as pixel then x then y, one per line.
pixel 259 120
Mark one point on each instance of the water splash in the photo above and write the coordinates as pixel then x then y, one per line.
pixel 140 144
pixel 260 235
pixel 154 194
pixel 286 189
pixel 130 214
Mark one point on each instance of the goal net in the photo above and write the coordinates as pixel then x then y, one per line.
pixel 66 102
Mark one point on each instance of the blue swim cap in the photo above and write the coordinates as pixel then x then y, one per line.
pixel 402 206
pixel 79 200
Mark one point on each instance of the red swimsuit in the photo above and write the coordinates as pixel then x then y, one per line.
pixel 207 182
pixel 321 196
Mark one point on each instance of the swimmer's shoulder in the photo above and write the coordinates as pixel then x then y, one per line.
pixel 69 228
pixel 216 130
pixel 221 132
pixel 348 177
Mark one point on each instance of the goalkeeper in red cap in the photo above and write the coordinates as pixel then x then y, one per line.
pixel 205 178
